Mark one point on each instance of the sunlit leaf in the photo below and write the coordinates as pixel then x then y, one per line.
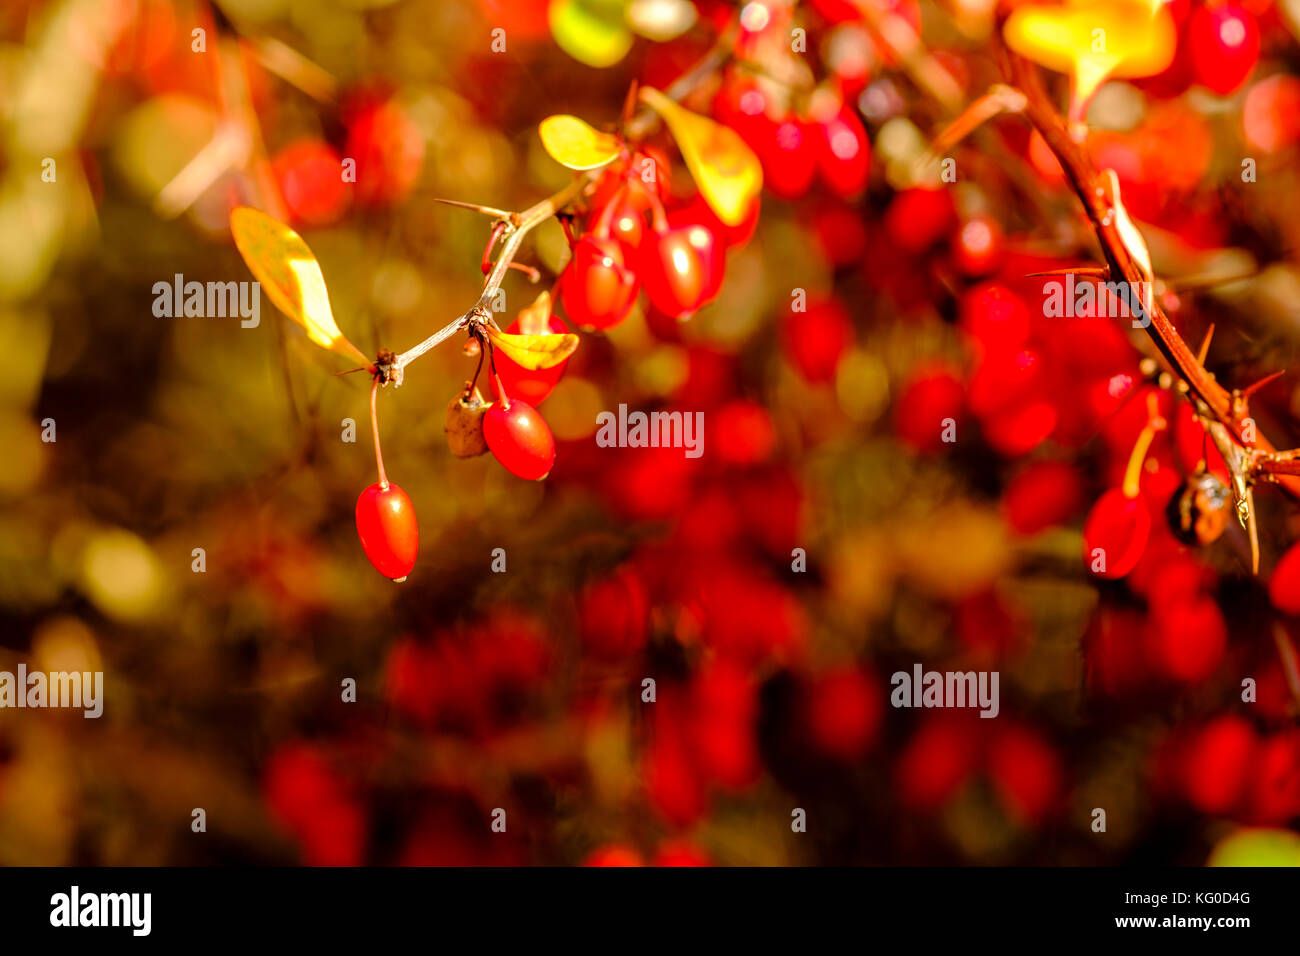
pixel 725 168
pixel 534 351
pixel 1257 847
pixel 571 142
pixel 1092 40
pixel 290 275
pixel 590 31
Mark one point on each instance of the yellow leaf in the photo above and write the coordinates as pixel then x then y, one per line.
pixel 571 142
pixel 725 168
pixel 290 275
pixel 535 351
pixel 1092 40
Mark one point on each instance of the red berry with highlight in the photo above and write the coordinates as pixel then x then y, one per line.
pixel 598 289
pixel 1115 534
pixel 388 530
pixel 520 439
pixel 1223 42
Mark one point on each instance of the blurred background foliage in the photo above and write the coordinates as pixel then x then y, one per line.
pixel 522 690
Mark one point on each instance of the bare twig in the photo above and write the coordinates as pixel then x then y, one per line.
pixel 518 225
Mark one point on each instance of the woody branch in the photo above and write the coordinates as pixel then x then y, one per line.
pixel 1214 403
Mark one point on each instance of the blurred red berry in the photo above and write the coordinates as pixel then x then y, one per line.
pixel 816 338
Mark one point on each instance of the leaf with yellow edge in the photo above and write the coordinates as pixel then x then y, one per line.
pixel 571 142
pixel 290 275
pixel 534 351
pixel 725 168
pixel 1093 40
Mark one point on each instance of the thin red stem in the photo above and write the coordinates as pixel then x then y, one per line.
pixel 374 428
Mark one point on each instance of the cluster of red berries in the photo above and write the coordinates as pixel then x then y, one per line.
pixel 828 143
pixel 1226 767
pixel 639 237
pixel 512 429
pixel 1218 47
pixel 948 749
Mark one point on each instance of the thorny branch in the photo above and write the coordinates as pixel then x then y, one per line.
pixel 1224 412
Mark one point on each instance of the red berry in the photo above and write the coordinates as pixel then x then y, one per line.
pixel 978 249
pixel 520 439
pixel 680 268
pixel 310 175
pixel 1115 534
pixel 843 712
pixel 789 158
pixel 614 854
pixel 1046 493
pixel 930 398
pixel 614 616
pixel 597 288
pixel 995 317
pixel 626 223
pixel 1025 772
pixel 681 853
pixel 920 218
pixel 1223 42
pixel 388 149
pixel 746 435
pixel 816 339
pixel 388 531
pixel 1186 638
pixel 1113 652
pixel 935 763
pixel 1217 763
pixel 1284 585
pixel 1274 796
pixel 844 154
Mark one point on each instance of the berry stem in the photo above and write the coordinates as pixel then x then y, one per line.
pixel 374 428
pixel 1133 473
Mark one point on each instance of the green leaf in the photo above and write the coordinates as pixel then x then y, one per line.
pixel 591 31
pixel 1257 847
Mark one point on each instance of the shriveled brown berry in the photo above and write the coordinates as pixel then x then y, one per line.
pixel 464 424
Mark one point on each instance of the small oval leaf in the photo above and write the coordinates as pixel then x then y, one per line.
pixel 591 31
pixel 573 143
pixel 1092 40
pixel 725 168
pixel 291 276
pixel 534 352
